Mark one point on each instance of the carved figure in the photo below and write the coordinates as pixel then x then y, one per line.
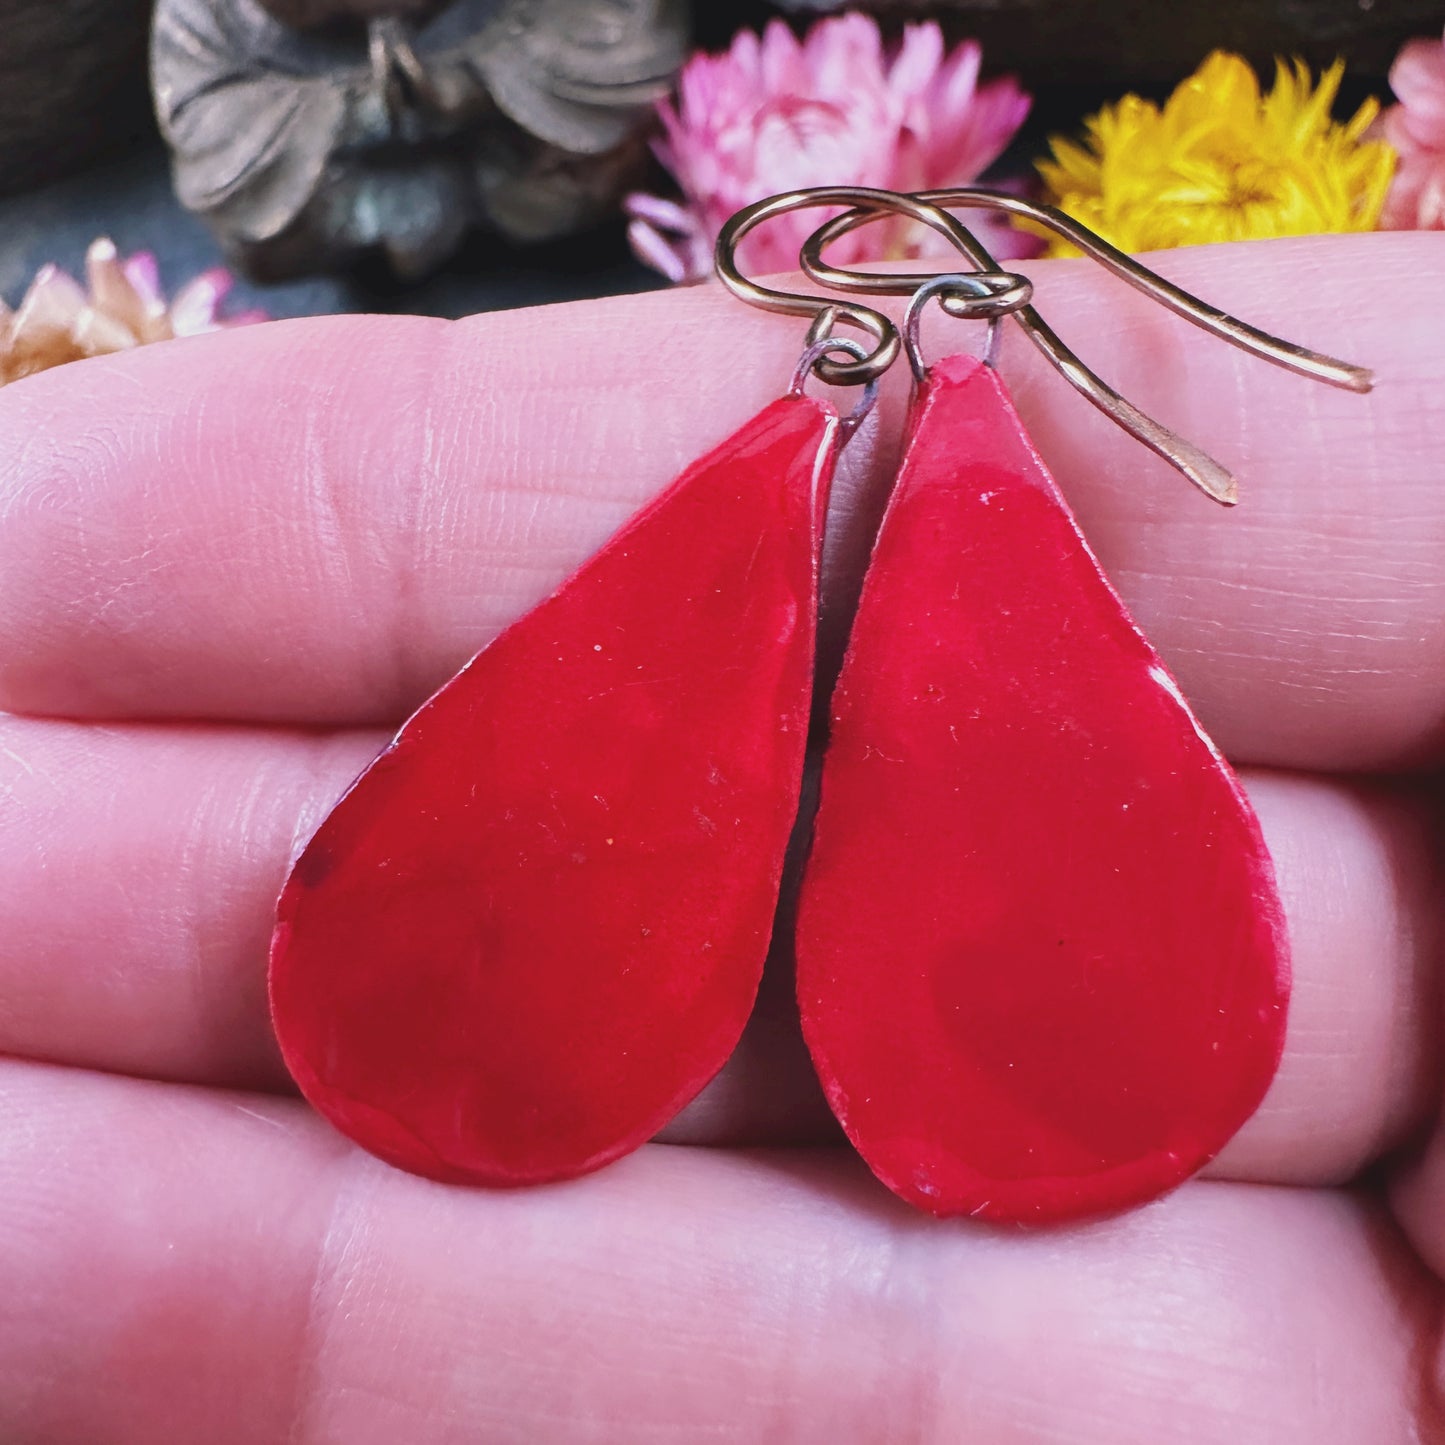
pixel 307 132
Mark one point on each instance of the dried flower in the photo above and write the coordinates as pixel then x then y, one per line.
pixel 1416 128
pixel 58 321
pixel 775 113
pixel 1222 162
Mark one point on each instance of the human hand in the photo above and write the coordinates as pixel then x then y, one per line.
pixel 229 565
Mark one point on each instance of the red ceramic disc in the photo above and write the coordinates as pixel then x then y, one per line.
pixel 1041 960
pixel 535 927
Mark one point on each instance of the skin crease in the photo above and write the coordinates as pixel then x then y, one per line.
pixel 205 625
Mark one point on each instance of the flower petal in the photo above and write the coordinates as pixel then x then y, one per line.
pixel 775 113
pixel 197 304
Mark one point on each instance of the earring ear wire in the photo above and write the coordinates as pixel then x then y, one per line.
pixel 958 300
pixel 867 203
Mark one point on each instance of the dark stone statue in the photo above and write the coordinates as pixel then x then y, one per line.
pixel 308 132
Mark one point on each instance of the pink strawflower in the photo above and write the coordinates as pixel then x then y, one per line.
pixel 1416 128
pixel 777 114
pixel 121 305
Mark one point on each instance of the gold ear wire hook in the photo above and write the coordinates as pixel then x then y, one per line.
pixel 867 202
pixel 1200 468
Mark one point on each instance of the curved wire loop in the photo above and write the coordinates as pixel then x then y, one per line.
pixel 827 312
pixel 815 351
pixel 970 296
pixel 1197 465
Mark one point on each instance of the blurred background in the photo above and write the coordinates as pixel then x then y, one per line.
pixel 81 155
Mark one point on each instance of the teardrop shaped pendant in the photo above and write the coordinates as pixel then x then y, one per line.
pixel 1042 966
pixel 534 928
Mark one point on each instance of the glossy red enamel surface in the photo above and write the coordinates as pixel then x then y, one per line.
pixel 1041 960
pixel 535 927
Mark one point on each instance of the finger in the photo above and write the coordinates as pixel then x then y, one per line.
pixel 186 1266
pixel 1358 878
pixel 1418 1178
pixel 152 859
pixel 320 521
pixel 1307 625
pixel 378 497
pixel 170 844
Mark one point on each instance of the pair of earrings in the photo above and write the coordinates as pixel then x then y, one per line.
pixel 1042 965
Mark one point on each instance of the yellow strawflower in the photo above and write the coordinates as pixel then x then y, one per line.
pixel 1223 162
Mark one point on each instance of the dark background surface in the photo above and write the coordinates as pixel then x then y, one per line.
pixel 129 199
pixel 1072 55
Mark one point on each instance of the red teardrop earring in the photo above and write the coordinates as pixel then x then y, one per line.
pixel 534 928
pixel 1042 964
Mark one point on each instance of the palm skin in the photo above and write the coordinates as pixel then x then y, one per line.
pixel 229 566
